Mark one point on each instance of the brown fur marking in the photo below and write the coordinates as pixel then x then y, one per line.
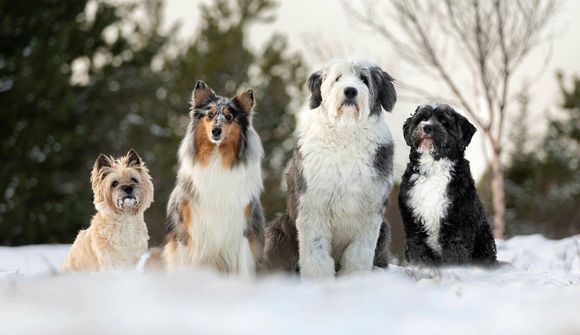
pixel 230 144
pixel 254 248
pixel 247 211
pixel 203 146
pixel 186 219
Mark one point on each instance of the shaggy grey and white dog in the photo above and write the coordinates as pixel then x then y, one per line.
pixel 340 176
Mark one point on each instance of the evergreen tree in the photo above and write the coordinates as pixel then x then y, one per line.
pixel 131 94
pixel 220 55
pixel 543 189
pixel 42 135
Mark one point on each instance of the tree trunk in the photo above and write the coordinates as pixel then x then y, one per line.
pixel 498 195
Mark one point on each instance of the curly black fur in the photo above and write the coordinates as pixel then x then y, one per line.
pixel 465 235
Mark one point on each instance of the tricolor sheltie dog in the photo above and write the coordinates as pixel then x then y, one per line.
pixel 214 216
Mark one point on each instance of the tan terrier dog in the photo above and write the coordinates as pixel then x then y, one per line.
pixel 118 235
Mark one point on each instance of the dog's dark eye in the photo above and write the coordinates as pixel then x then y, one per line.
pixel 364 80
pixel 229 117
pixel 210 115
pixel 134 180
pixel 114 184
pixel 338 78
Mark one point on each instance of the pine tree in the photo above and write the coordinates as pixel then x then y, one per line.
pixel 543 189
pixel 42 133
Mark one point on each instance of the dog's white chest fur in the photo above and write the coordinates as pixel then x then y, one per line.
pixel 217 213
pixel 428 196
pixel 342 190
pixel 127 239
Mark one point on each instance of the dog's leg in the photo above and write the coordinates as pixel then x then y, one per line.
pixel 484 249
pixel 175 256
pixel 246 265
pixel 359 254
pixel 417 252
pixel 382 249
pixel 281 246
pixel 314 243
pixel 457 247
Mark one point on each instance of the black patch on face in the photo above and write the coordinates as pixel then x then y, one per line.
pixel 314 83
pixel 450 131
pixel 386 95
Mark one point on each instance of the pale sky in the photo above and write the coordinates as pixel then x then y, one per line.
pixel 327 20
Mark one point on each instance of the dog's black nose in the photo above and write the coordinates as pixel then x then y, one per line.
pixel 350 92
pixel 427 128
pixel 128 189
pixel 216 132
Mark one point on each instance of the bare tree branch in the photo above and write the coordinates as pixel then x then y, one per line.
pixel 485 41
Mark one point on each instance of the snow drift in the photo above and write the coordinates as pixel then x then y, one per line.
pixel 539 293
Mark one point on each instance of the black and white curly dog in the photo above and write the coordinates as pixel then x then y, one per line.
pixel 340 176
pixel 442 213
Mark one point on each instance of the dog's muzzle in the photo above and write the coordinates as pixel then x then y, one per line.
pixel 127 201
pixel 426 141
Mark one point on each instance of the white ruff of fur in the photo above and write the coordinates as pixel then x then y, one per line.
pixel 341 210
pixel 217 211
pixel 428 196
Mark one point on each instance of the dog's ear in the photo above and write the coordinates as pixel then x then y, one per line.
pixel 407 130
pixel 387 96
pixel 133 158
pixel 465 128
pixel 314 83
pixel 245 101
pixel 100 169
pixel 101 162
pixel 201 94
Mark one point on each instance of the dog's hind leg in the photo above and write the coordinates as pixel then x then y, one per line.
pixel 281 245
pixel 255 231
pixel 382 249
pixel 484 249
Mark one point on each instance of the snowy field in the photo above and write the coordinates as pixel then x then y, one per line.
pixel 539 293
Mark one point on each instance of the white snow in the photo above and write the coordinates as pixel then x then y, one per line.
pixel 539 293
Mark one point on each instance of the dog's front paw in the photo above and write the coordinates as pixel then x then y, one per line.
pixel 317 268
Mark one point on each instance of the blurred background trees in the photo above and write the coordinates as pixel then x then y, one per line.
pixel 86 77
pixel 83 77
pixel 47 140
pixel 489 41
pixel 543 181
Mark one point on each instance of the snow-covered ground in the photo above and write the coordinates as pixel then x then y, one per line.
pixel 539 293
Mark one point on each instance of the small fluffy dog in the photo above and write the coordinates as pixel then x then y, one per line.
pixel 340 176
pixel 214 216
pixel 443 216
pixel 117 236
